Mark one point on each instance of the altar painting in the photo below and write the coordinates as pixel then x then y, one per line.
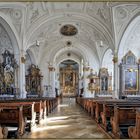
pixel 131 80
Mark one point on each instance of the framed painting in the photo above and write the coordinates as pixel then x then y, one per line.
pixel 131 80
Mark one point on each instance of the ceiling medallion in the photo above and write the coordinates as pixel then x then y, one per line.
pixel 68 30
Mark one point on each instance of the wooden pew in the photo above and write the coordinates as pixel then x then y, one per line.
pixel 101 110
pixel 30 114
pixel 134 132
pixel 104 112
pixel 12 115
pixel 47 107
pixel 44 107
pixel 39 108
pixel 108 111
pixel 31 110
pixel 123 118
pixel 39 111
pixel 105 116
pixel 3 132
pixel 51 104
pixel 28 110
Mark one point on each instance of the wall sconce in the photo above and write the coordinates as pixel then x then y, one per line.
pixel 101 43
pixel 37 43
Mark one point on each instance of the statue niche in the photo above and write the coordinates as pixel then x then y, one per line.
pixel 105 81
pixel 33 82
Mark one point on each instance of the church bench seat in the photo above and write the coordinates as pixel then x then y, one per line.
pixel 12 115
pixel 134 131
pixel 100 109
pixel 123 118
pixel 51 104
pixel 28 111
pixel 39 111
pixel 108 110
pixel 34 109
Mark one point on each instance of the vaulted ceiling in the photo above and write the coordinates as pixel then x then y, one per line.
pixel 100 27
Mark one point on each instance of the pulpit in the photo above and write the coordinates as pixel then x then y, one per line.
pixel 93 82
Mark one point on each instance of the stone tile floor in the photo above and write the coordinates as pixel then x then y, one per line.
pixel 68 120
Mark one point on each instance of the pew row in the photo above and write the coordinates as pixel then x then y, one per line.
pixel 134 131
pixel 123 118
pixel 12 115
pixel 33 112
pixel 106 115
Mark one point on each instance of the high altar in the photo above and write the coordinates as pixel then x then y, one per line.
pixel 68 81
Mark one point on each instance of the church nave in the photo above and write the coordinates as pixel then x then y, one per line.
pixel 69 69
pixel 68 120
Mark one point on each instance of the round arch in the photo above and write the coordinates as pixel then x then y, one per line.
pixel 128 31
pixel 107 60
pixel 10 29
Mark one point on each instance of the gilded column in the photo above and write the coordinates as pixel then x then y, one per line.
pixel 63 79
pixel 74 79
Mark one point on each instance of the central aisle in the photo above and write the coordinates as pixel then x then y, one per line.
pixel 68 121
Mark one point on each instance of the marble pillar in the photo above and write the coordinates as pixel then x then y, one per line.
pixel 22 76
pixel 52 81
pixel 86 81
pixel 116 77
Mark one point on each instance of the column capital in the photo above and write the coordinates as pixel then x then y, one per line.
pixel 23 60
pixel 51 68
pixel 22 56
pixel 115 59
pixel 87 68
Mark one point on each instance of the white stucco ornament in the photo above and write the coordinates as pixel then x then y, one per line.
pixel 16 14
pixel 121 13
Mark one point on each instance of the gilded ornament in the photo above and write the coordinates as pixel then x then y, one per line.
pixel 115 59
pixel 23 60
pixel 51 68
pixel 86 69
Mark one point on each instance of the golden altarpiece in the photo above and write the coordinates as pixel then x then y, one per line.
pixel 8 75
pixel 93 82
pixel 101 84
pixel 129 75
pixel 68 81
pixel 33 82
